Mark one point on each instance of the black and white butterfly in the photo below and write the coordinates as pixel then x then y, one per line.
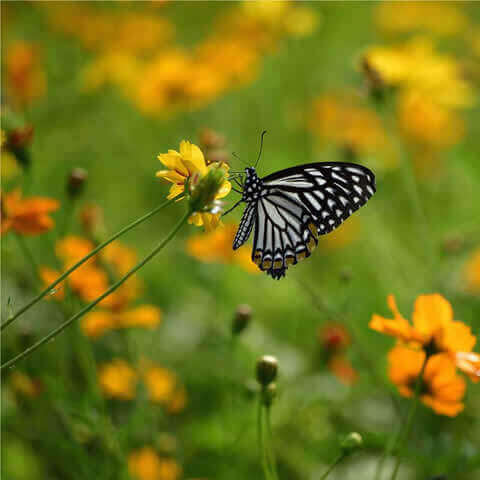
pixel 291 208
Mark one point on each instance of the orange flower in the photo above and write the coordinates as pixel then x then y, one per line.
pixel 469 363
pixel 121 258
pixel 117 379
pixel 333 337
pixel 95 324
pixel 161 384
pixel 48 276
pixel 27 216
pixel 26 80
pixel 441 390
pixel 145 464
pixel 216 246
pixel 340 366
pixel 433 325
pixel 72 248
pixel 88 282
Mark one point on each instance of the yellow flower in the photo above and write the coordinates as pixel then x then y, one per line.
pixel 417 65
pixel 117 379
pixel 432 325
pixel 145 464
pixel 95 324
pixel 177 401
pixel 472 273
pixel 441 390
pixel 189 167
pixel 120 257
pixel 216 246
pixel 161 383
pixel 442 18
pixel 72 248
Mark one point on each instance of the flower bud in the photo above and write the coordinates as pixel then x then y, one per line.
pixel 76 181
pixel 266 370
pixel 210 139
pixel 353 441
pixel 241 319
pixel 204 189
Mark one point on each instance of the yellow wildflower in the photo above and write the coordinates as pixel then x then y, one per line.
pixel 161 383
pixel 117 379
pixel 25 385
pixel 216 246
pixel 72 248
pixel 145 464
pixel 177 401
pixel 441 390
pixel 442 18
pixel 189 166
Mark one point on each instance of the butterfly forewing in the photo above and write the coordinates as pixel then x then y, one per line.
pixel 296 205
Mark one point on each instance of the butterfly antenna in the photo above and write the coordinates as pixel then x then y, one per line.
pixel 238 158
pixel 261 148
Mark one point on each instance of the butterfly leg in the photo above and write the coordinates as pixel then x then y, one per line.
pixel 233 208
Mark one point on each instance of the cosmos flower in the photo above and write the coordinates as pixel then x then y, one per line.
pixel 146 464
pixel 190 175
pixel 441 389
pixel 216 247
pixel 27 216
pixel 117 379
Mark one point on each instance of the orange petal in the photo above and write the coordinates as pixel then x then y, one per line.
pixel 455 337
pixel 431 313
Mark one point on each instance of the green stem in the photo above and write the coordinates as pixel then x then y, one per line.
pixel 261 444
pixel 28 255
pixel 91 305
pixel 269 446
pixel 411 414
pixel 62 277
pixel 332 466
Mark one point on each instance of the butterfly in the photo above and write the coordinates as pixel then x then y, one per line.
pixel 291 208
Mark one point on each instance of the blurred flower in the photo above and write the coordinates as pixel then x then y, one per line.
pixel 76 182
pixel 25 385
pixel 161 383
pixel 344 235
pixel 120 257
pixel 72 248
pixel 341 367
pixel 95 324
pixel 29 216
pixel 92 220
pixel 117 379
pixel 469 363
pixel 216 246
pixel 241 319
pixel 48 276
pixel 416 65
pixel 177 401
pixel 145 464
pixel 205 183
pixel 432 325
pixel 266 370
pixel 352 442
pixel 442 18
pixel 340 120
pixel 25 78
pixel 333 337
pixel 472 273
pixel 441 389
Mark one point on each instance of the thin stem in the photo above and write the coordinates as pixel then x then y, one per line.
pixel 91 305
pixel 50 287
pixel 260 436
pixel 269 446
pixel 28 255
pixel 410 417
pixel 332 466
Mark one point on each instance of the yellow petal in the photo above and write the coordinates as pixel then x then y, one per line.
pixel 173 161
pixel 224 190
pixel 174 191
pixel 170 176
pixel 431 312
pixel 192 157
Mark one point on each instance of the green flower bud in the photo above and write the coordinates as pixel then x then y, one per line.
pixel 353 441
pixel 266 370
pixel 241 319
pixel 76 182
pixel 204 190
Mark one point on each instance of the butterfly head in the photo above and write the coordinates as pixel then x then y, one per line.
pixel 252 185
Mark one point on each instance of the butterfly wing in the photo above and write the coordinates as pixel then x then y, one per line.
pixel 301 203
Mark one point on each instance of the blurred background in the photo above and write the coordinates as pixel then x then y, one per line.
pixel 159 384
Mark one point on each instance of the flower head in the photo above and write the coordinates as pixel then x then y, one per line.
pixel 146 464
pixel 441 389
pixel 27 216
pixel 203 184
pixel 117 379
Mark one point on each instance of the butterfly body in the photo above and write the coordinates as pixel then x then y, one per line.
pixel 291 208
